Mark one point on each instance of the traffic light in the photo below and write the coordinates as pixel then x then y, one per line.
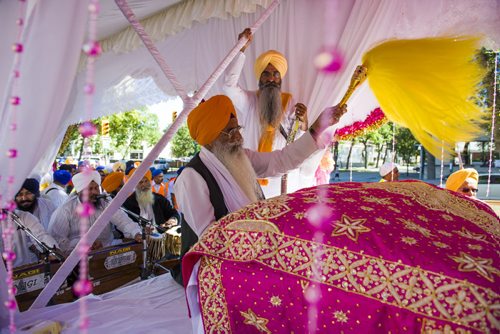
pixel 105 127
pixel 174 116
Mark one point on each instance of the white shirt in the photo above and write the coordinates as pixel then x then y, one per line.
pixel 22 241
pixel 246 105
pixel 65 224
pixel 56 194
pixel 43 211
pixel 192 191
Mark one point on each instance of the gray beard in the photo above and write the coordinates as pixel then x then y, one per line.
pixel 144 198
pixel 233 157
pixel 270 105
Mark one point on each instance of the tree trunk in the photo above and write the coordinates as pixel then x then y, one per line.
pixel 466 155
pixel 349 155
pixel 335 154
pixel 365 154
pixel 379 152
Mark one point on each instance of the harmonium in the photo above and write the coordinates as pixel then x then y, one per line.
pixel 30 280
pixel 115 266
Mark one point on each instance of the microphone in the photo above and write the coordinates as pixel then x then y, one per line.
pixel 102 196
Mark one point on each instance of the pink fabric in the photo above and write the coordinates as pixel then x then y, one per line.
pixel 395 256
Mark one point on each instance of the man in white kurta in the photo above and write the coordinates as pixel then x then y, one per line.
pixel 214 125
pixel 65 223
pixel 56 191
pixel 28 199
pixel 23 243
pixel 264 132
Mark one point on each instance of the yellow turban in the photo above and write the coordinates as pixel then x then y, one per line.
pixel 119 164
pixel 270 57
pixel 112 181
pixel 147 175
pixel 207 120
pixel 456 179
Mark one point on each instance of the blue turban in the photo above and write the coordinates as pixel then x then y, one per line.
pixel 33 186
pixel 156 172
pixel 98 168
pixel 62 176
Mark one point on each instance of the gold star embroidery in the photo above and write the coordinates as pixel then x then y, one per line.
pixel 475 247
pixel 299 215
pixel 445 233
pixel 366 208
pixel 349 227
pixel 381 201
pixel 468 234
pixel 382 221
pixel 409 240
pixel 440 244
pixel 252 319
pixel 423 218
pixel 447 217
pixel 394 209
pixel 415 227
pixel 483 267
pixel 351 200
pixel 340 316
pixel 275 301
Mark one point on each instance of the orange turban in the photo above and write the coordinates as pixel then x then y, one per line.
pixel 147 175
pixel 112 181
pixel 270 57
pixel 207 120
pixel 456 179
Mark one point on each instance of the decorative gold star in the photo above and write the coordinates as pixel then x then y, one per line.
pixel 299 215
pixel 349 227
pixel 468 234
pixel 447 217
pixel 409 240
pixel 252 319
pixel 440 244
pixel 381 201
pixel 444 233
pixel 366 208
pixel 382 221
pixel 340 316
pixel 475 247
pixel 483 267
pixel 275 301
pixel 415 227
pixel 423 218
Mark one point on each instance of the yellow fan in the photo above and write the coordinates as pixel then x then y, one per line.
pixel 426 85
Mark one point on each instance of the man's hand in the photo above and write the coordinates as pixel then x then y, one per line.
pixel 169 223
pixel 248 34
pixel 328 117
pixel 138 237
pixel 96 245
pixel 301 115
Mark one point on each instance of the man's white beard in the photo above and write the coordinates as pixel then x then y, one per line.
pixel 270 106
pixel 233 157
pixel 144 198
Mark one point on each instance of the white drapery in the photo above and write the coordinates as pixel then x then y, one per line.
pixel 298 28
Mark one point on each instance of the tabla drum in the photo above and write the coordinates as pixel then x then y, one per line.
pixel 156 246
pixel 173 241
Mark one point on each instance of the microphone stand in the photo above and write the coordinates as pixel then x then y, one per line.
pixel 47 251
pixel 143 222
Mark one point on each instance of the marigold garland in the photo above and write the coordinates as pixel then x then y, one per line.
pixel 375 120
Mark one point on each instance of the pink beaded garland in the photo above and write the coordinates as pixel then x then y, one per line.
pixel 92 48
pixel 17 47
pixel 15 100
pixel 85 209
pixel 89 88
pixel 12 153
pixel 329 60
pixel 11 304
pixel 82 288
pixel 87 129
pixel 9 255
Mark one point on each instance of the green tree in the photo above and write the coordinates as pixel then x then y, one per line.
pixel 130 129
pixel 406 145
pixel 182 143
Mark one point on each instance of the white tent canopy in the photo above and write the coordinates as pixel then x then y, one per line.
pixel 194 36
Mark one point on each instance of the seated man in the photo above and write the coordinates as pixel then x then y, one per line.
pixel 65 222
pixel 463 181
pixel 23 245
pixel 222 178
pixel 56 191
pixel 150 205
pixel 389 172
pixel 28 199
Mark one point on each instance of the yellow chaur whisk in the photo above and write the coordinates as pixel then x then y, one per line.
pixel 427 85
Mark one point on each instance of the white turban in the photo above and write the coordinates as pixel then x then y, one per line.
pixel 387 168
pixel 83 179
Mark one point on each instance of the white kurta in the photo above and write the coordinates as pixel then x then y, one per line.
pixel 43 211
pixel 246 104
pixel 192 191
pixel 22 241
pixel 65 224
pixel 56 194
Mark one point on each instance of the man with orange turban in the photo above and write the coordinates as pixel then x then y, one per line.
pixel 113 183
pixel 149 205
pixel 222 177
pixel 464 181
pixel 267 114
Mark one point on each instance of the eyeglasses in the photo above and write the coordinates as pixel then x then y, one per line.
pixel 472 190
pixel 233 131
pixel 267 75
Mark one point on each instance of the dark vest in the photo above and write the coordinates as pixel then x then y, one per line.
pixel 188 237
